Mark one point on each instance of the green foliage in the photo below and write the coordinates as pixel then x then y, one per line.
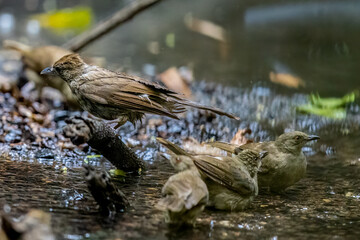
pixel 331 103
pixel 117 173
pixel 327 107
pixel 77 19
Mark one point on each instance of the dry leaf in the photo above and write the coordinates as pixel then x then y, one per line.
pixel 239 138
pixel 173 80
pixel 286 79
pixel 154 122
pixel 206 28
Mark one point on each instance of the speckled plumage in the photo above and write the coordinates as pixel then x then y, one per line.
pixel 285 163
pixel 105 193
pixel 231 181
pixel 110 95
pixel 185 197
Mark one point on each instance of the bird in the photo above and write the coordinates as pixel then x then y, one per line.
pixel 185 197
pixel 285 163
pixel 37 58
pixel 110 199
pixel 118 96
pixel 231 180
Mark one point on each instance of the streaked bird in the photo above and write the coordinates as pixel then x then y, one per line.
pixel 285 163
pixel 110 95
pixel 231 181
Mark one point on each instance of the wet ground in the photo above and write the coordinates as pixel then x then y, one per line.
pixel 317 42
pixel 40 169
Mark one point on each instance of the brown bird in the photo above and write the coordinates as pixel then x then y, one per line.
pixel 36 59
pixel 231 181
pixel 284 165
pixel 109 197
pixel 186 196
pixel 110 95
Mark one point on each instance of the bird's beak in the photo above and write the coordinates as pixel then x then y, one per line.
pixel 312 137
pixel 48 71
pixel 263 154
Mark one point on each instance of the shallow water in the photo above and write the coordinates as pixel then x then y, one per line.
pixel 322 205
pixel 317 42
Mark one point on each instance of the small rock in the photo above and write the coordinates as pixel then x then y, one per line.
pixel 45 153
pixel 13 136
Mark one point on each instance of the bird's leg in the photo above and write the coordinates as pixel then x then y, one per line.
pixel 119 122
pixel 94 117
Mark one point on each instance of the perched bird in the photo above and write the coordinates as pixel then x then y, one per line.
pixel 231 181
pixel 284 165
pixel 36 59
pixel 35 225
pixel 110 199
pixel 186 196
pixel 110 95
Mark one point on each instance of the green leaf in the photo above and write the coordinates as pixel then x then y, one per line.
pixel 316 100
pixel 117 172
pixel 336 113
pixel 77 18
pixel 327 107
pixel 64 170
pixel 170 40
pixel 93 156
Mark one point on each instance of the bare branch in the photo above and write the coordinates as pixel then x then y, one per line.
pixel 122 16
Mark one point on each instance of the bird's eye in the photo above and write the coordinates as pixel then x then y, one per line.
pixel 297 137
pixel 57 69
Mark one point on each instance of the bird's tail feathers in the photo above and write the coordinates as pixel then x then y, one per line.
pixel 211 109
pixel 227 147
pixel 172 147
pixel 17 46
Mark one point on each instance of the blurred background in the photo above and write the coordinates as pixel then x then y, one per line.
pixel 289 46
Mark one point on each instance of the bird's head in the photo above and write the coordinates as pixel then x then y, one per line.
pixel 251 159
pixel 68 67
pixel 294 141
pixel 92 177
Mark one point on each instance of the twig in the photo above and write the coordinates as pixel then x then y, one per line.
pixel 106 26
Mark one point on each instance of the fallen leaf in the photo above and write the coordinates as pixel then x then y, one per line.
pixel 327 107
pixel 93 156
pixel 286 79
pixel 117 172
pixel 316 100
pixel 154 122
pixel 173 80
pixel 170 40
pixel 206 28
pixel 349 194
pixel 239 138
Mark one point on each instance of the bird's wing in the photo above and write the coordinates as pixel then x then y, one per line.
pixel 227 147
pixel 223 173
pixel 110 89
pixel 147 83
pixel 233 148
